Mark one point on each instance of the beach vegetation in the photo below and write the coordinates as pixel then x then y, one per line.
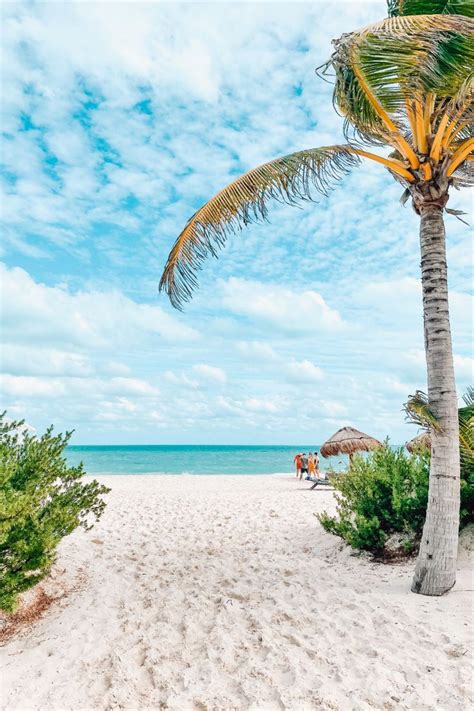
pixel 42 499
pixel 382 493
pixel 403 85
pixel 383 496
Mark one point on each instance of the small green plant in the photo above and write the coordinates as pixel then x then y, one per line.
pixel 42 500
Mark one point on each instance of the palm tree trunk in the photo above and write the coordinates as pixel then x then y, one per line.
pixel 435 570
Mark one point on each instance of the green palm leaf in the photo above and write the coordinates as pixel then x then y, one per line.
pixel 430 7
pixel 468 397
pixel 466 435
pixel 418 411
pixel 398 58
pixel 290 179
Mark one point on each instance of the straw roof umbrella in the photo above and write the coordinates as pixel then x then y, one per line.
pixel 348 440
pixel 421 440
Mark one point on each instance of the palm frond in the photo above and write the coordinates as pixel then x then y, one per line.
pixel 417 410
pixel 463 177
pixel 466 438
pixel 468 397
pixel 290 179
pixel 466 430
pixel 403 56
pixel 462 153
pixel 430 7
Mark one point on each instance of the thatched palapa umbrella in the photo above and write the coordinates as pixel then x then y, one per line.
pixel 421 440
pixel 348 440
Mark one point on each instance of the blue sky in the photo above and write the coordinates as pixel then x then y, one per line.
pixel 120 120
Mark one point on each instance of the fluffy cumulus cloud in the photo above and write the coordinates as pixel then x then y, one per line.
pixel 119 120
pixel 304 371
pixel 92 318
pixel 210 372
pixel 279 307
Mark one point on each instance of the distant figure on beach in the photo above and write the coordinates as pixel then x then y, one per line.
pixel 304 465
pixel 316 466
pixel 311 465
pixel 297 461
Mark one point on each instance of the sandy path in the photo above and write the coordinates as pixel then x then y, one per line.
pixel 225 593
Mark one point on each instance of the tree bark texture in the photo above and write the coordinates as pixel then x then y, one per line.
pixel 435 570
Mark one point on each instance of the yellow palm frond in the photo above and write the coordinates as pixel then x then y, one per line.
pixel 290 179
pixel 460 155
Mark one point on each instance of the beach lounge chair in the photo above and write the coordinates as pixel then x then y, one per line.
pixel 319 482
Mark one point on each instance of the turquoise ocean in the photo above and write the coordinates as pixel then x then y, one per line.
pixel 192 459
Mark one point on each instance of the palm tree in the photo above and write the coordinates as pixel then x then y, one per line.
pixel 405 84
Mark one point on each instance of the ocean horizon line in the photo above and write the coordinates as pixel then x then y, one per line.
pixel 192 444
pixel 189 444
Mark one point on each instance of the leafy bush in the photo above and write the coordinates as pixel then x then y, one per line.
pixel 42 500
pixel 386 493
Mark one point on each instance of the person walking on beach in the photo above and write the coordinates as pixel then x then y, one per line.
pixel 304 465
pixel 311 465
pixel 297 461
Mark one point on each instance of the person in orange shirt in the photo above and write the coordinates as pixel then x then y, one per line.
pixel 311 465
pixel 297 461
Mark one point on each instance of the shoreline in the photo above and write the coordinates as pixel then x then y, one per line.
pixel 223 592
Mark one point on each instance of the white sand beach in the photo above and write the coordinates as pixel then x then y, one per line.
pixel 197 593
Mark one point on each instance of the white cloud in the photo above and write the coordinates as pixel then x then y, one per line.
pixel 115 410
pixel 383 295
pixel 258 350
pixel 25 360
pixel 270 405
pixel 401 299
pixel 33 387
pixel 333 409
pixel 180 379
pixel 130 386
pixel 394 385
pixel 464 368
pixel 33 312
pixel 279 306
pixel 210 372
pixel 304 372
pixel 117 368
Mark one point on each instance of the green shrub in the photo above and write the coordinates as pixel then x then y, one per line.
pixel 386 493
pixel 383 493
pixel 42 500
